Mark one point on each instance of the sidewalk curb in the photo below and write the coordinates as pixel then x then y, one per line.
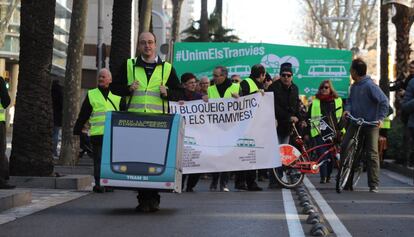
pixel 14 198
pixel 77 182
pixel 403 170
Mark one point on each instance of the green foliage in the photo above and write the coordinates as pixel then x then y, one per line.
pixel 217 33
pixel 395 139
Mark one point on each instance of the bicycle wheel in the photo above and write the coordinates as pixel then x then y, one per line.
pixel 346 167
pixel 287 176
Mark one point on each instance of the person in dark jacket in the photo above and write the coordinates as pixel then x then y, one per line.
pixel 4 163
pixel 187 93
pixel 145 80
pixel 96 103
pixel 57 102
pixel 286 101
pixel 246 180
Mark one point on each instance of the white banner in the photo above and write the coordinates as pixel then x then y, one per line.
pixel 229 134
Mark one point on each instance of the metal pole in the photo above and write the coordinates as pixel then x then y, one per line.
pixel 100 33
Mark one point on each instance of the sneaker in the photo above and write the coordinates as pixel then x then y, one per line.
pixel 328 179
pixel 224 189
pixel 373 189
pixel 323 180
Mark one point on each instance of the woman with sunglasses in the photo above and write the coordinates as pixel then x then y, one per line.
pixel 327 107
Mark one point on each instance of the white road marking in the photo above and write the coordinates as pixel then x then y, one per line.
pixel 292 218
pixel 403 179
pixel 338 228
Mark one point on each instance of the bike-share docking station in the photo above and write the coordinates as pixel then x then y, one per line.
pixel 142 151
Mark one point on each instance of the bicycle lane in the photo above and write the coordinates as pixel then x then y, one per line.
pixel 361 213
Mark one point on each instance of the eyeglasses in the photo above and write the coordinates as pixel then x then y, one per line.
pixel 149 42
pixel 286 75
pixel 324 87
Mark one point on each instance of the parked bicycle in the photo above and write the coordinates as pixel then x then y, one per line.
pixel 351 164
pixel 296 163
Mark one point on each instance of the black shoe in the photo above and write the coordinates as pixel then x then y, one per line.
pixel 154 206
pixel 241 187
pixel 349 188
pixel 189 190
pixel 109 189
pixel 143 207
pixel 255 188
pixel 98 189
pixel 328 179
pixel 7 186
pixel 213 188
pixel 323 180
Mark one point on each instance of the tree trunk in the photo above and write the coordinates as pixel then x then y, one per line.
pixel 72 85
pixel 145 13
pixel 32 132
pixel 402 24
pixel 175 36
pixel 219 12
pixel 121 36
pixel 204 31
pixel 384 79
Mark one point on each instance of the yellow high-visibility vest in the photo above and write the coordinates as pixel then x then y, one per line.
pixel 214 93
pixel 147 97
pixel 317 114
pixel 252 85
pixel 100 106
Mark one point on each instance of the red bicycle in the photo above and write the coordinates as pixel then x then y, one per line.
pixel 296 163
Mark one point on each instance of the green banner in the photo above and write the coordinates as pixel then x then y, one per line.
pixel 310 65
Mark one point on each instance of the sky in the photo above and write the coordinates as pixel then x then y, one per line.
pixel 266 21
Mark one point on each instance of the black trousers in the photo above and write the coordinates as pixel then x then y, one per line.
pixel 148 195
pixel 224 179
pixel 245 178
pixel 4 163
pixel 192 180
pixel 96 142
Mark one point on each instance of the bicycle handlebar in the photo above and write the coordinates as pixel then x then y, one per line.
pixel 361 121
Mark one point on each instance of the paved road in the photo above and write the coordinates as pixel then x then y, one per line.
pixel 269 213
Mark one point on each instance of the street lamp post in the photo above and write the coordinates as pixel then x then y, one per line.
pixel 100 34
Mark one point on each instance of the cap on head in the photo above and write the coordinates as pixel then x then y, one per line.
pixel 286 67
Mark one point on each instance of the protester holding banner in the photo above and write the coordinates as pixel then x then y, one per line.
pixel 245 180
pixel 97 102
pixel 204 84
pixel 145 80
pixel 223 88
pixel 327 107
pixel 286 101
pixel 188 93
